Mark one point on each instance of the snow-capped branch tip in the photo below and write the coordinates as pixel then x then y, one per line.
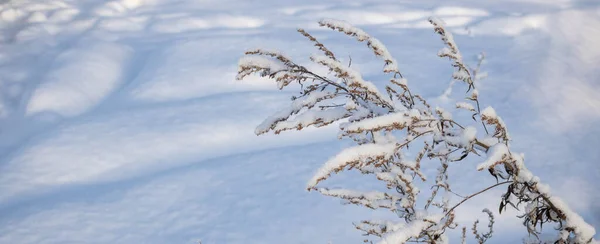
pixel 380 50
pixel 249 64
pixel 272 64
pixel 271 53
pixel 318 44
pixel 353 78
pixel 452 52
pixel 489 116
pixel 356 157
pixel 279 120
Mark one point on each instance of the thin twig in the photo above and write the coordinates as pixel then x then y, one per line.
pixel 475 194
pixel 474 78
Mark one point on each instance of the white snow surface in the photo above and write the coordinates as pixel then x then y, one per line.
pixel 80 78
pixel 122 122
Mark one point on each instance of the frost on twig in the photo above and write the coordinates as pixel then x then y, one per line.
pixel 385 125
pixel 483 237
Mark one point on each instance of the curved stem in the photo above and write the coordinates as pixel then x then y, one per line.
pixel 409 141
pixel 475 194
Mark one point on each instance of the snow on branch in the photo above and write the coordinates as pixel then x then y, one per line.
pixel 318 118
pixel 358 156
pixel 318 44
pixel 251 64
pixel 392 121
pixel 306 102
pixel 388 128
pixel 466 106
pixel 497 154
pixel 489 116
pixel 352 78
pixel 412 230
pixel 525 187
pixel 451 51
pixel 391 65
pixel 372 199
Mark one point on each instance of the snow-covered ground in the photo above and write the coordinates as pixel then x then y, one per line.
pixel 121 121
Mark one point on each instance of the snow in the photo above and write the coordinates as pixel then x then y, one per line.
pixel 371 199
pixel 459 11
pixel 277 121
pixel 465 105
pixel 177 25
pixel 377 46
pixel 37 17
pixel 584 231
pixel 359 155
pixel 347 28
pixel 195 60
pixel 489 112
pixel 317 117
pixel 80 78
pixel 461 75
pixel 468 135
pixel 122 122
pixel 388 121
pixel 495 155
pixel 354 77
pixel 411 230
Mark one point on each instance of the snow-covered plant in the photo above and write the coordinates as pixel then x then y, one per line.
pixel 385 124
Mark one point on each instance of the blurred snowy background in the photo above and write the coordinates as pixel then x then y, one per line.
pixel 121 121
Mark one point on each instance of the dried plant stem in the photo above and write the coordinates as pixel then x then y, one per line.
pixel 475 71
pixel 373 122
pixel 475 194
